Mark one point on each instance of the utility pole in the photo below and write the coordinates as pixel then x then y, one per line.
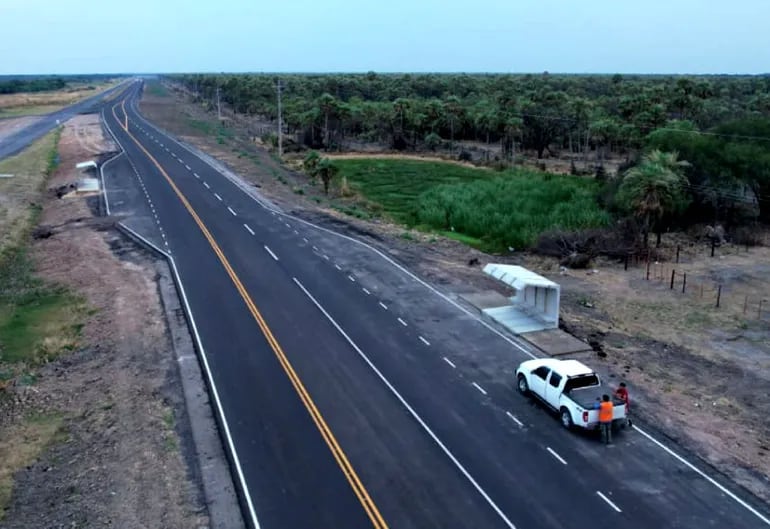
pixel 219 110
pixel 280 124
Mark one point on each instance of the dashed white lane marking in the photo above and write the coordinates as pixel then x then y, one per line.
pixel 271 253
pixel 304 240
pixel 207 185
pixel 231 211
pixel 315 249
pixel 409 408
pixel 513 417
pixel 180 161
pixel 423 340
pixel 196 175
pixel 248 229
pixel 173 154
pixel 353 279
pixel 326 257
pixel 287 224
pixel 366 292
pixel 383 305
pixel 218 197
pixel 557 456
pixel 188 167
pixel 479 388
pixel 296 232
pixel 162 145
pixel 167 150
pixel 402 322
pixel 448 361
pixel 337 267
pixel 605 498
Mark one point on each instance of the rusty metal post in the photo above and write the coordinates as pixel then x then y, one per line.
pixel 684 282
pixel 719 294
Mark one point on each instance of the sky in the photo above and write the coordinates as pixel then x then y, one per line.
pixel 558 36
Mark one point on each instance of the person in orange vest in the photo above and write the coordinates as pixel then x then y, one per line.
pixel 605 418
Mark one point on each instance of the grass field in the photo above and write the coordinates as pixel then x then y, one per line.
pixel 479 207
pixel 37 320
pixel 30 104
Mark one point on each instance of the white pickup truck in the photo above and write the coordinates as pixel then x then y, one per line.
pixel 570 388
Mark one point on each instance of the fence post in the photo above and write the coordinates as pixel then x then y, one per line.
pixel 684 282
pixel 673 274
pixel 713 245
pixel 648 269
pixel 746 304
pixel 719 294
pixel 677 253
pixel 625 263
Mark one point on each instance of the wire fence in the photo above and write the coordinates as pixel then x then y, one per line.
pixel 750 302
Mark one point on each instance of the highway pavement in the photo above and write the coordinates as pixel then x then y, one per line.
pixel 22 138
pixel 353 395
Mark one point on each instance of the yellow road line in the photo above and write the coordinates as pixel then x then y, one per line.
pixel 323 427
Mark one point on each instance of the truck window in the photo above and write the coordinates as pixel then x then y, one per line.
pixel 541 372
pixel 581 381
pixel 555 380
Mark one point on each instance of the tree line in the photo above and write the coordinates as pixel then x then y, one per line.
pixel 578 113
pixel 14 86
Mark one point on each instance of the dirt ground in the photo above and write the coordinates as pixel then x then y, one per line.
pixel 699 374
pixel 118 459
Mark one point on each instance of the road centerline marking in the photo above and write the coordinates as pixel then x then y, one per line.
pixel 218 197
pixel 383 305
pixel 231 211
pixel 513 417
pixel 448 361
pixel 402 322
pixel 423 340
pixel 605 498
pixel 554 454
pixel 482 390
pixel 248 229
pixel 339 455
pixel 271 252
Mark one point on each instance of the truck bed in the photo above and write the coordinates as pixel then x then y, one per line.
pixel 587 397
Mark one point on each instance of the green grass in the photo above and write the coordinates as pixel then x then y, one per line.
pixel 481 208
pixel 157 89
pixel 38 321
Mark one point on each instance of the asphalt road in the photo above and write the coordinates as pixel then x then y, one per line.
pixel 347 407
pixel 22 138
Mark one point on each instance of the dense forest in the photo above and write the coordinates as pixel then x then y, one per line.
pixel 691 149
pixel 14 86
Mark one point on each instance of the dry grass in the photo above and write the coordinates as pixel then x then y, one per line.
pixel 25 103
pixel 18 194
pixel 21 445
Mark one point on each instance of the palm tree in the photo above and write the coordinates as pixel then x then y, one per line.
pixel 327 104
pixel 326 169
pixel 654 189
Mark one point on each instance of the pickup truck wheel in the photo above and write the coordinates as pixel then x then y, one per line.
pixel 523 386
pixel 566 418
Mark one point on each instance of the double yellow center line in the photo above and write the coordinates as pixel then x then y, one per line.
pixel 326 433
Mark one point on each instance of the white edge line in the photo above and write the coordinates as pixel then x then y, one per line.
pixel 512 416
pixel 409 408
pixel 212 385
pixel 271 252
pixel 248 228
pixel 448 361
pixel 104 183
pixel 605 498
pixel 479 388
pixel 557 456
pixel 231 211
pixel 702 474
pixel 430 287
pixel 402 322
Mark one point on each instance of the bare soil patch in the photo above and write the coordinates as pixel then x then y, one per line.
pixel 114 457
pixel 698 373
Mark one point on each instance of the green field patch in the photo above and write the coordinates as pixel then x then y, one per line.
pixel 481 208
